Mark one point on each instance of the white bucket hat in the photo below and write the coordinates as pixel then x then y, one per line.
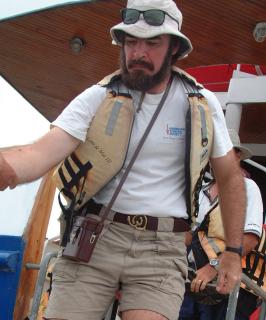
pixel 245 152
pixel 140 29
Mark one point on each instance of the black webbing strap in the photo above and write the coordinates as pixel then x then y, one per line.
pixel 250 270
pixel 258 254
pixel 76 177
pixel 68 212
pixel 197 189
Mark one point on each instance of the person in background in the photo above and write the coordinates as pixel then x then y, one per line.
pixel 194 308
pixel 149 259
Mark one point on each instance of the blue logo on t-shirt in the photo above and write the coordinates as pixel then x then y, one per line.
pixel 175 132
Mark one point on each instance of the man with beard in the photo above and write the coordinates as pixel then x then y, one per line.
pixel 148 261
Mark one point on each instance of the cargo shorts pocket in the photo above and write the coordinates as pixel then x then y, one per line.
pixel 173 279
pixel 65 270
pixel 172 263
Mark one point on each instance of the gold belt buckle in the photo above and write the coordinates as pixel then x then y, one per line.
pixel 138 222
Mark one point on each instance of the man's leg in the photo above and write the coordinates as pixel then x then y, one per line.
pixel 153 278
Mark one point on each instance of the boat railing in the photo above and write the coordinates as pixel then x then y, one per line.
pixel 233 297
pixel 42 267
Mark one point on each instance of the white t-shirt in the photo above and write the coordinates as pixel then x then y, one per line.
pixel 156 183
pixel 254 211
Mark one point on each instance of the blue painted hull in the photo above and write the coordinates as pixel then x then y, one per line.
pixel 11 257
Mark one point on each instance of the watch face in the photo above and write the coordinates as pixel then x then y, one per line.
pixel 214 262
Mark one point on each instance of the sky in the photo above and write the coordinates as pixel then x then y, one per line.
pixel 15 7
pixel 20 124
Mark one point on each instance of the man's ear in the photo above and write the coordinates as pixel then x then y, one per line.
pixel 175 47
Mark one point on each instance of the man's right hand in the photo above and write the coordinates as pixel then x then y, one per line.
pixel 8 177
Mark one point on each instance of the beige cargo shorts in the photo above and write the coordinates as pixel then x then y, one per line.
pixel 150 265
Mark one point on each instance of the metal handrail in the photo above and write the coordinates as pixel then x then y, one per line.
pixel 253 286
pixel 232 303
pixel 263 311
pixel 42 267
pixel 233 297
pixel 256 165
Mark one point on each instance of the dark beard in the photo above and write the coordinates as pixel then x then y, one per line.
pixel 138 80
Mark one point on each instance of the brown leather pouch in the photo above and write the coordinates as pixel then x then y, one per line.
pixel 83 237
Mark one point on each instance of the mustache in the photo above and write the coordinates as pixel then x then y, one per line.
pixel 145 64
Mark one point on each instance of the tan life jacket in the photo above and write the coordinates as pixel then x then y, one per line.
pixel 211 236
pixel 96 161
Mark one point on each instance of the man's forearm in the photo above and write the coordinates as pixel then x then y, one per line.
pixel 232 198
pixel 17 166
pixel 32 161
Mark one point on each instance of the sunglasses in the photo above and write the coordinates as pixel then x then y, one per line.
pixel 153 17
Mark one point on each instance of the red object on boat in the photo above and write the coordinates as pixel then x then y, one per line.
pixel 255 315
pixel 217 77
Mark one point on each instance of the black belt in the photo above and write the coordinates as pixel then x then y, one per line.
pixel 142 222
pixel 139 222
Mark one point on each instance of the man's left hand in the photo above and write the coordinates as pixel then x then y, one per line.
pixel 229 273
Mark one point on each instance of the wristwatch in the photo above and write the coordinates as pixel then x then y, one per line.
pixel 214 263
pixel 238 250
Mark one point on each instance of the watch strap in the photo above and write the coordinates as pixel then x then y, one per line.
pixel 238 250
